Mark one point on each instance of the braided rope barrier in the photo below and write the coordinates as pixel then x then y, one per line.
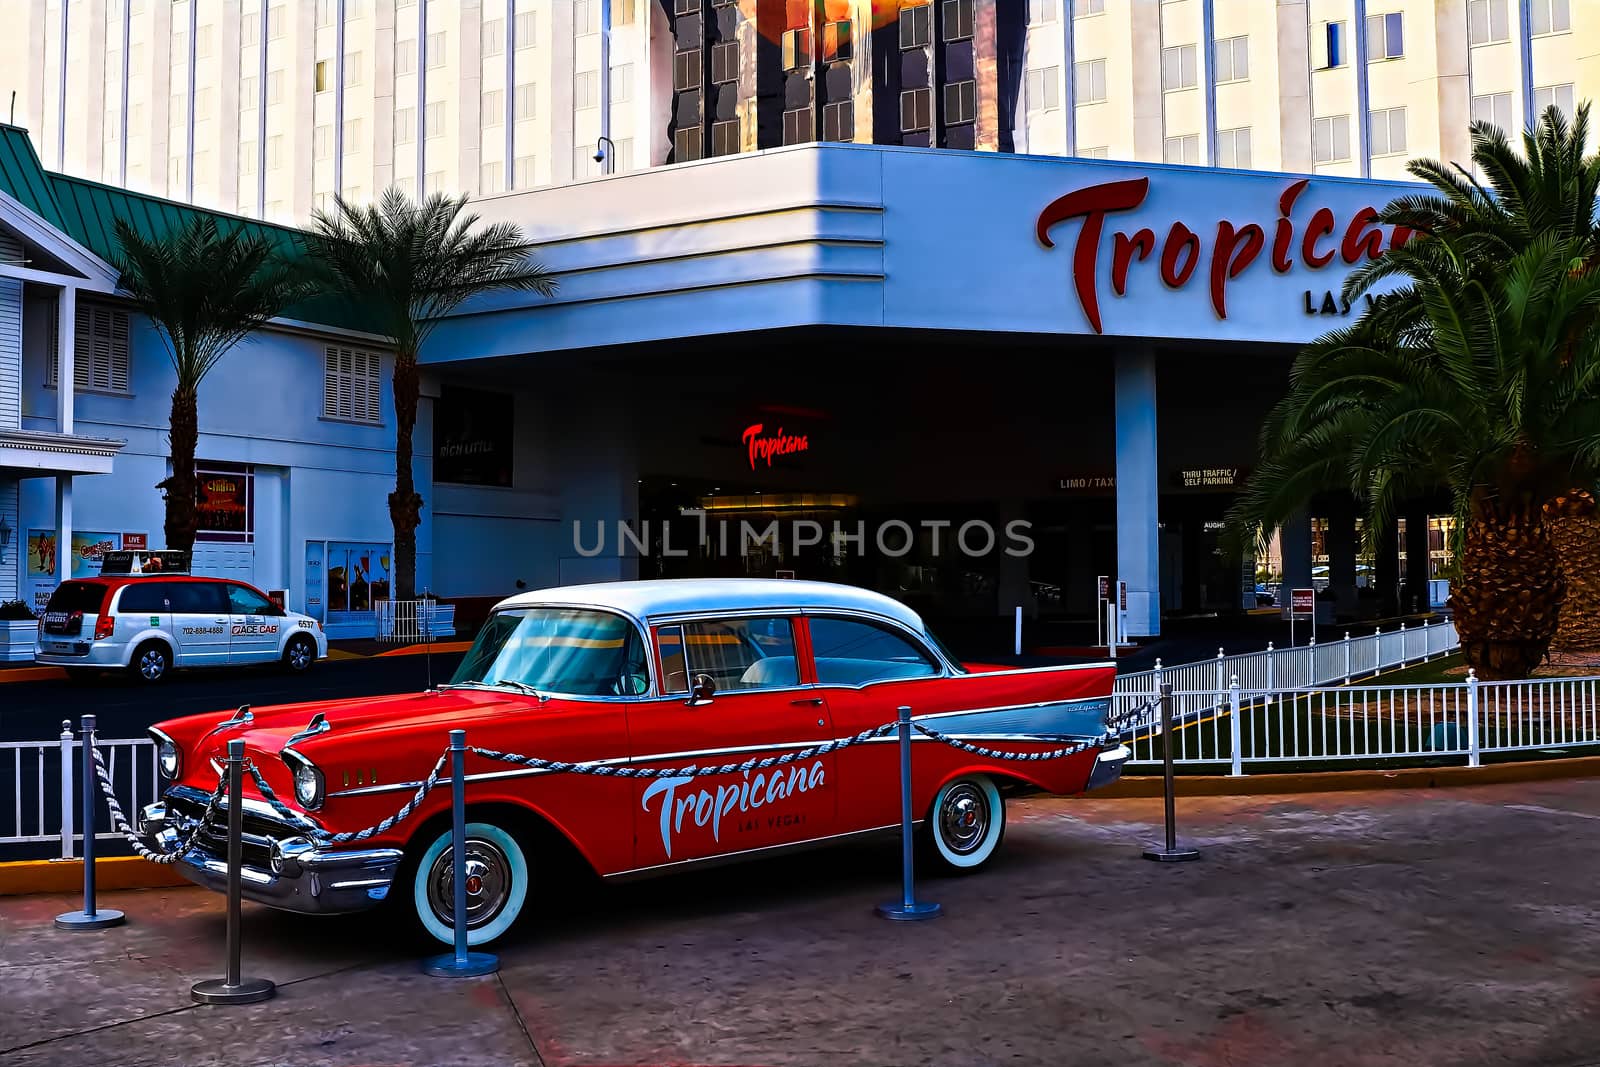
pixel 617 770
pixel 1022 757
pixel 322 836
pixel 119 821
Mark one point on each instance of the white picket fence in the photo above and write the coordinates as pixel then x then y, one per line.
pixel 44 800
pixel 411 621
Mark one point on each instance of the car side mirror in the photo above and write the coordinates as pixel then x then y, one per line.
pixel 702 692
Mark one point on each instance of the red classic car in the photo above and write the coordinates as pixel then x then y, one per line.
pixel 661 674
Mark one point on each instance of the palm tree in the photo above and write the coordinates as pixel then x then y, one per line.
pixel 1484 382
pixel 405 265
pixel 1548 189
pixel 205 290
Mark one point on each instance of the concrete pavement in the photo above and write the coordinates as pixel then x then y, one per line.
pixel 1451 928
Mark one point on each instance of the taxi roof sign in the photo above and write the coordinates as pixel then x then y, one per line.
pixel 144 561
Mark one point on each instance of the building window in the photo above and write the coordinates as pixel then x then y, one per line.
pixel 1089 81
pixel 687 144
pixel 522 172
pixel 321 76
pixel 585 89
pixel 837 42
pixel 796 49
pixel 622 158
pixel 687 7
pixel 274 86
pixel 1488 21
pixel 202 104
pixel 326 9
pixel 274 151
pixel 275 22
pixel 436 50
pixel 351 139
pixel 1330 139
pixel 434 120
pixel 1042 11
pixel 202 42
pixel 249 87
pixel 526 101
pixel 524 29
pixel 1233 59
pixel 493 107
pixel 405 125
pixel 1558 96
pixel 1102 152
pixel 725 62
pixel 915 105
pixel 957 16
pixel 1387 129
pixel 839 121
pixel 352 384
pixel 1549 16
pixel 352 68
pixel 1233 147
pixel 960 103
pixel 99 349
pixel 1185 149
pixel 1333 46
pixel 1385 39
pixel 584 165
pixel 1493 108
pixel 725 138
pixel 247 158
pixel 1081 8
pixel 322 142
pixel 585 17
pixel 686 71
pixel 249 31
pixel 622 83
pixel 797 125
pixel 405 56
pixel 1178 67
pixel 1044 89
pixel 493 39
pixel 915 27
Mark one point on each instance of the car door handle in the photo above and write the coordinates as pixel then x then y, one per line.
pixel 804 701
pixel 222 620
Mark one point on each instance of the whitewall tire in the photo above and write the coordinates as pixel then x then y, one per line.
pixel 497 884
pixel 966 823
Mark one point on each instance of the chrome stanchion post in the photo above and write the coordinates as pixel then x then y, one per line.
pixel 460 963
pixel 1235 728
pixel 908 907
pixel 90 918
pixel 234 989
pixel 1172 853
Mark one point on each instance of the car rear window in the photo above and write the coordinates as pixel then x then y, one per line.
pixel 142 597
pixel 77 596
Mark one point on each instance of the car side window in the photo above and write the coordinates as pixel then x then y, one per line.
pixel 243 601
pixel 197 598
pixel 854 652
pixel 738 654
pixel 143 598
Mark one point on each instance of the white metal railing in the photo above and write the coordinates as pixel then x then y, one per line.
pixel 44 786
pixel 1286 668
pixel 414 620
pixel 1334 724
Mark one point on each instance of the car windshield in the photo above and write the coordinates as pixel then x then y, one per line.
pixel 571 651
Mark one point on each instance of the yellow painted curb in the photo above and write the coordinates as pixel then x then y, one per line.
pixel 420 650
pixel 31 674
pixel 66 876
pixel 339 653
pixel 1194 785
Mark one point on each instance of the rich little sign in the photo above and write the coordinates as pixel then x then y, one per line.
pixel 1304 239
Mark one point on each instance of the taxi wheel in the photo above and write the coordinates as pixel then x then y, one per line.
pixel 965 824
pixel 151 663
pixel 300 654
pixel 497 883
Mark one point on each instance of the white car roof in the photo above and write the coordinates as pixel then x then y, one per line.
pixel 677 596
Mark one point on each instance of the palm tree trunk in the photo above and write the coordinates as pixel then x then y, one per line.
pixel 1575 532
pixel 405 504
pixel 1508 601
pixel 184 432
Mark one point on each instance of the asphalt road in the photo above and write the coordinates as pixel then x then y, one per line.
pixel 32 711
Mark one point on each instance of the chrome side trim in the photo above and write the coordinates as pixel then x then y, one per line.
pixel 770 850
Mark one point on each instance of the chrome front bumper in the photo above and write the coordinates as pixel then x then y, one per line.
pixel 1108 768
pixel 298 877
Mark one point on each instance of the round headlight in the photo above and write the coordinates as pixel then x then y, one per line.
pixel 308 786
pixel 167 758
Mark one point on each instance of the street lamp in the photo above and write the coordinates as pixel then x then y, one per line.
pixel 602 156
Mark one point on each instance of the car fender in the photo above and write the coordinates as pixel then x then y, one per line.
pixel 302 624
pixel 1062 776
pixel 481 798
pixel 146 634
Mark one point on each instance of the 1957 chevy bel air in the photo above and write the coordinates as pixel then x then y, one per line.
pixel 656 673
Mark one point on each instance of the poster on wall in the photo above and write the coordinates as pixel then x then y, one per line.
pixel 314 597
pixel 88 547
pixel 223 502
pixel 472 437
pixel 357 575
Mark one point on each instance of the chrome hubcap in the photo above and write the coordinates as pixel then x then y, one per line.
pixel 152 664
pixel 964 817
pixel 488 874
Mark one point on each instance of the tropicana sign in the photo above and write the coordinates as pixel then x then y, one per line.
pixel 1234 248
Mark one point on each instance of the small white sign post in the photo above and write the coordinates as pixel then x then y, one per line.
pixel 1101 597
pixel 1302 604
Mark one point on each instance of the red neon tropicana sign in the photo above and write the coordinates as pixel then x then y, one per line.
pixel 765 446
pixel 1234 248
